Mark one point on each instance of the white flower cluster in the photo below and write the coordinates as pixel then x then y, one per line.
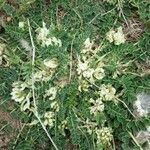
pixel 83 85
pixel 46 74
pixel 51 94
pixel 116 36
pixel 104 135
pixel 49 119
pixel 21 94
pixel 21 90
pixel 97 106
pixel 107 92
pixel 51 63
pixel 84 67
pixel 44 37
pixel 49 116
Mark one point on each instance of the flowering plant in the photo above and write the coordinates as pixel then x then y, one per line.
pixel 73 77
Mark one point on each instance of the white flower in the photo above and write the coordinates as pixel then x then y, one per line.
pixel 22 85
pixel 82 66
pixel 42 75
pixel 51 93
pixel 119 37
pixel 110 36
pixel 42 34
pixel 104 135
pixel 54 105
pixel 45 38
pixel 21 24
pixel 56 41
pixel 87 46
pixel 26 103
pixel 18 93
pixel 32 123
pixel 83 85
pixel 97 106
pixel 48 42
pixel 87 43
pixel 21 94
pixel 38 76
pixel 99 73
pixel 49 118
pixel 116 37
pixel 107 92
pixel 51 63
pixel 88 73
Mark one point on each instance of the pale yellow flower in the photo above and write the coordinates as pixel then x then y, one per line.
pixel 44 37
pixel 87 46
pixel 97 106
pixel 18 93
pixel 82 66
pixel 119 37
pixel 99 73
pixel 38 76
pixel 83 85
pixel 21 24
pixel 26 103
pixel 110 36
pixel 43 75
pixel 42 34
pixel 88 73
pixel 116 37
pixel 104 135
pixel 54 105
pixel 51 63
pixel 51 93
pixel 57 42
pixel 48 42
pixel 107 92
pixel 49 118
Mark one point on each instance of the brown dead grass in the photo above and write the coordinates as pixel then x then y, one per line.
pixel 134 29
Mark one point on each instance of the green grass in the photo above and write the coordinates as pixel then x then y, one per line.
pixel 73 22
